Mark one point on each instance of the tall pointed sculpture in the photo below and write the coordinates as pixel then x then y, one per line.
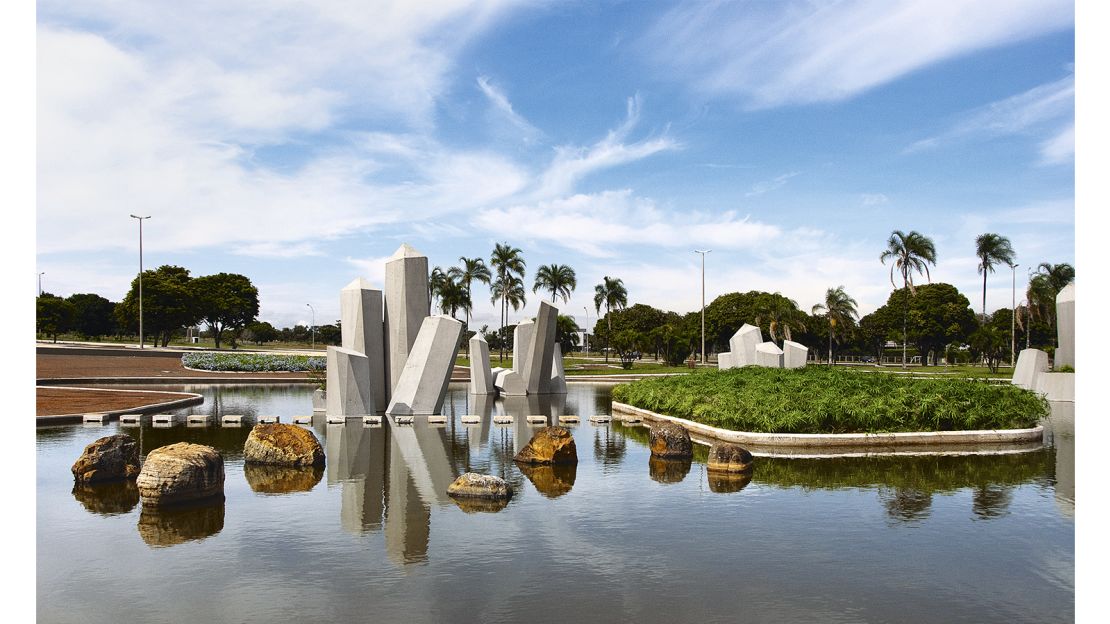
pixel 481 377
pixel 422 385
pixel 349 394
pixel 361 324
pixel 536 368
pixel 522 337
pixel 406 306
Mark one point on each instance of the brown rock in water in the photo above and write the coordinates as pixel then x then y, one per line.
pixel 266 479
pixel 283 445
pixel 181 473
pixel 671 440
pixel 550 445
pixel 726 482
pixel 474 485
pixel 108 459
pixel 551 480
pixel 159 526
pixel 725 457
pixel 665 470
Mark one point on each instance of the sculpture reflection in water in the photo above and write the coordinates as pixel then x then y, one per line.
pixel 107 499
pixel 169 526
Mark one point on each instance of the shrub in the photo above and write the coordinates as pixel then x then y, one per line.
pixel 254 362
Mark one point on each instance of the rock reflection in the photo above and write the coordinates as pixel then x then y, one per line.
pixel 668 470
pixel 160 527
pixel 265 479
pixel 728 482
pixel 107 499
pixel 474 504
pixel 551 480
pixel 907 505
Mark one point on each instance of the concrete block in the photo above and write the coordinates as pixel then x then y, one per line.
pixel 481 377
pixel 194 419
pixel 130 419
pixel 558 375
pixel 724 360
pixel 536 368
pixel 471 419
pixel 349 393
pixel 165 424
pixel 194 424
pixel 337 419
pixel 99 418
pixel 422 385
pixel 630 418
pixel 1056 386
pixel 437 419
pixel 362 322
pixel 768 354
pixel 162 419
pixel 742 345
pixel 503 419
pixel 600 418
pixel 372 420
pixel 232 419
pixel 269 420
pixel 302 420
pixel 522 337
pixel 1065 328
pixel 406 306
pixel 1031 363
pixel 566 419
pixel 510 383
pixel 403 420
pixel 794 354
pixel 536 419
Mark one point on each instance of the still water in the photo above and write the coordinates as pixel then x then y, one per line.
pixel 618 538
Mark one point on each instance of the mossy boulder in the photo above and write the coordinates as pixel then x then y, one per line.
pixel 669 440
pixel 111 458
pixel 550 445
pixel 282 445
pixel 725 457
pixel 181 473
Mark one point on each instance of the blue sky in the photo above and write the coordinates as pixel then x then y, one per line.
pixel 301 144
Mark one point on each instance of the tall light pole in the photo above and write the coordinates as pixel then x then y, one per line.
pixel 140 276
pixel 586 330
pixel 702 252
pixel 40 282
pixel 1013 311
pixel 312 330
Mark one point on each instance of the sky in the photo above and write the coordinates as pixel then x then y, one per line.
pixel 300 144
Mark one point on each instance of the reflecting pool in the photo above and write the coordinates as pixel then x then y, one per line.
pixel 619 537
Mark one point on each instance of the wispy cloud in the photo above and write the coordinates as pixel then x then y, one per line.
pixel 873 199
pixel 765 186
pixel 771 54
pixel 527 132
pixel 1060 149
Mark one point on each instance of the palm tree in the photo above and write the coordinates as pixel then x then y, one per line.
pixel 436 281
pixel 1045 284
pixel 909 252
pixel 508 264
pixel 472 269
pixel 1057 275
pixel 840 309
pixel 992 249
pixel 782 315
pixel 612 294
pixel 558 279
pixel 454 297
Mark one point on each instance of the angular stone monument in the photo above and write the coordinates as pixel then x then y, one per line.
pixel 481 377
pixel 349 394
pixel 724 360
pixel 522 337
pixel 769 355
pixel 510 383
pixel 742 345
pixel 1065 328
pixel 362 326
pixel 406 306
pixel 794 354
pixel 422 385
pixel 558 376
pixel 536 368
pixel 1031 364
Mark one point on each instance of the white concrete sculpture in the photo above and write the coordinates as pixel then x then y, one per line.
pixel 558 376
pixel 1065 328
pixel 406 306
pixel 1031 364
pixel 742 345
pixel 481 377
pixel 522 337
pixel 349 394
pixel 536 368
pixel 794 354
pixel 510 383
pixel 724 360
pixel 422 385
pixel 361 323
pixel 768 354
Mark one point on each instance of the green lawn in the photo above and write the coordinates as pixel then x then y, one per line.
pixel 823 400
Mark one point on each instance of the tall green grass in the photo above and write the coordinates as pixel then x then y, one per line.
pixel 831 400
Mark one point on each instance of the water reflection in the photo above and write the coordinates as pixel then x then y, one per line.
pixel 551 480
pixel 728 482
pixel 665 470
pixel 266 479
pixel 906 505
pixel 1060 432
pixel 160 527
pixel 107 499
pixel 991 501
pixel 609 445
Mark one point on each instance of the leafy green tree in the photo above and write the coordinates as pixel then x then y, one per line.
pixel 93 315
pixel 262 332
pixel 558 279
pixel 53 315
pixel 938 315
pixel 1045 284
pixel 873 331
pixel 626 343
pixel 840 313
pixel 508 284
pixel 226 302
pixel 992 249
pixel 329 334
pixel 909 253
pixel 472 270
pixel 453 296
pixel 677 338
pixel 566 333
pixel 169 303
pixel 769 311
pixel 610 293
pixel 990 343
pixel 781 316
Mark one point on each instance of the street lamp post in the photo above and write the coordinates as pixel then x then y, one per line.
pixel 140 276
pixel 312 330
pixel 586 330
pixel 1013 312
pixel 40 282
pixel 702 252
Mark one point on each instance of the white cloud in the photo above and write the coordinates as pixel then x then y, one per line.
pixel 526 131
pixel 772 54
pixel 765 186
pixel 1060 149
pixel 873 199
